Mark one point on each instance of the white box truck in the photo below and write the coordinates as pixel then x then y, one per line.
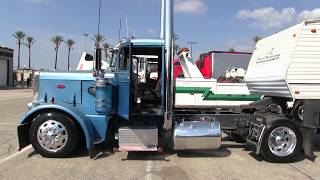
pixel 214 64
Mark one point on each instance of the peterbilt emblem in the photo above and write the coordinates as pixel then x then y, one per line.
pixel 61 86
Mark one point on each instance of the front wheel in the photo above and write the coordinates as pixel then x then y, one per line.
pixel 282 142
pixel 54 135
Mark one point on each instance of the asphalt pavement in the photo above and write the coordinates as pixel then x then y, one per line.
pixel 231 161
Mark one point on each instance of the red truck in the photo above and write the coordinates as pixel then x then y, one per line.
pixel 215 63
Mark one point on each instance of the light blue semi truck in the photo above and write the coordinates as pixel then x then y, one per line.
pixel 100 106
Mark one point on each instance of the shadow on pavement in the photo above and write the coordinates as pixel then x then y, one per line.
pixel 219 153
pixel 156 156
pixel 104 151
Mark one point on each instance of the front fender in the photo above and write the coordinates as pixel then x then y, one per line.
pixel 83 121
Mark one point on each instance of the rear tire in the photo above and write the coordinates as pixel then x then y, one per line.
pixel 297 110
pixel 281 142
pixel 54 135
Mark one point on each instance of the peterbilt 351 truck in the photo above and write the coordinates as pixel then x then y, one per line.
pixel 105 105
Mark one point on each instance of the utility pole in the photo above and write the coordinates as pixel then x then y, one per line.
pixel 191 47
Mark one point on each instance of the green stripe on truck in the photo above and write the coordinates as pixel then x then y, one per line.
pixel 209 96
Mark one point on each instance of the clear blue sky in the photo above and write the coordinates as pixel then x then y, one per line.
pixel 213 24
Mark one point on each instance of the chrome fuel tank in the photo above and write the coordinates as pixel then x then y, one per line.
pixel 197 135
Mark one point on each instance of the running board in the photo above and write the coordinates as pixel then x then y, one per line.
pixel 138 139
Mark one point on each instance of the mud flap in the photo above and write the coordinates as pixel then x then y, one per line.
pixel 308 143
pixel 310 123
pixel 92 153
pixel 23 135
pixel 256 133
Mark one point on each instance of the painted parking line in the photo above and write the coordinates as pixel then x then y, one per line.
pixel 15 154
pixel 9 124
pixel 148 175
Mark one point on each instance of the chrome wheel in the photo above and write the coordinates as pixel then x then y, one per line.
pixel 300 112
pixel 52 135
pixel 282 141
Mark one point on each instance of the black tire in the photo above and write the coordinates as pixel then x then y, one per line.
pixel 269 155
pixel 70 127
pixel 298 104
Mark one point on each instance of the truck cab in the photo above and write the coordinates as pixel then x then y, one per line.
pixel 140 101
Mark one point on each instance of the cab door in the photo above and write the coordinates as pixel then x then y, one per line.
pixel 124 81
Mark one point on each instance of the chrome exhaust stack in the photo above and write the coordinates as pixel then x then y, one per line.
pixel 168 79
pixel 162 27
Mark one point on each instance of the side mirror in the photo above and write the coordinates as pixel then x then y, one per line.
pixel 88 57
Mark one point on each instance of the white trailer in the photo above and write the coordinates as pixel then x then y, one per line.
pixel 287 64
pixel 285 67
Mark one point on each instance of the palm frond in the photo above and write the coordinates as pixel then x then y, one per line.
pixel 19 35
pixel 57 40
pixel 175 37
pixel 231 50
pixel 98 38
pixel 256 39
pixel 30 41
pixel 70 43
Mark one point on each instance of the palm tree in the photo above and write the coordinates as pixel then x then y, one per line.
pixel 175 36
pixel 19 35
pixel 256 39
pixel 231 50
pixel 70 43
pixel 175 44
pixel 29 43
pixel 98 39
pixel 56 40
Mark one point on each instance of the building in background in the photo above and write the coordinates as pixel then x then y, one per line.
pixel 24 77
pixel 6 67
